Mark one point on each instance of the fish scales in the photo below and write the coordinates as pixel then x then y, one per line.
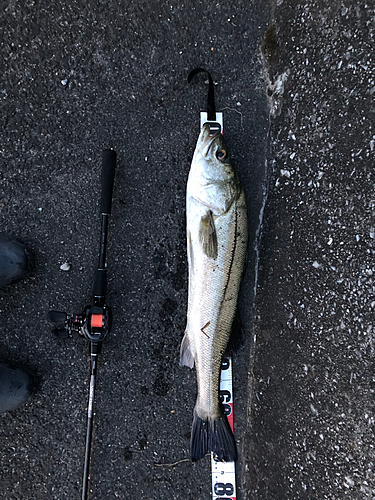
pixel 217 243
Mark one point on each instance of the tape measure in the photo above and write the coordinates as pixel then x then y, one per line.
pixel 223 473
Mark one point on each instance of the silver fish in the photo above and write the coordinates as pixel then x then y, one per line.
pixel 216 245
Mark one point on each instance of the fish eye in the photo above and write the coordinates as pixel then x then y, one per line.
pixel 221 155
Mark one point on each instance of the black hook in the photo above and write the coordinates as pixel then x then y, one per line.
pixel 211 112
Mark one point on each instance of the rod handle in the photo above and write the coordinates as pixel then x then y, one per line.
pixel 100 283
pixel 108 175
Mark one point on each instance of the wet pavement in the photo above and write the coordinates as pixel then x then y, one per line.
pixel 296 85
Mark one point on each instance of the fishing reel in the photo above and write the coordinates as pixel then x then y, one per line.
pixel 94 323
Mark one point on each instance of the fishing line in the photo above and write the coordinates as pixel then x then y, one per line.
pixel 211 111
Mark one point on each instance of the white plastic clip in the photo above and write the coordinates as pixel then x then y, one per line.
pixel 215 126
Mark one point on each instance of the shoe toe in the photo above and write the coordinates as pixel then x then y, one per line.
pixel 16 261
pixel 16 386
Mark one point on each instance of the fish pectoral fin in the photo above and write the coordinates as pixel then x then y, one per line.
pixel 187 352
pixel 208 236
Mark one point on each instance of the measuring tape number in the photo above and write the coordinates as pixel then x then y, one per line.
pixel 224 473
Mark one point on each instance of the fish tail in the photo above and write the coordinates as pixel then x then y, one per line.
pixel 212 435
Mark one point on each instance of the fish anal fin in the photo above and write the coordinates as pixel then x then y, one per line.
pixel 187 355
pixel 236 336
pixel 208 236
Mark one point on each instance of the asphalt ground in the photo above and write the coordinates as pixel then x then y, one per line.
pixel 311 430
pixel 78 77
pixel 296 83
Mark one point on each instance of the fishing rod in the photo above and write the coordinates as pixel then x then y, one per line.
pixel 96 320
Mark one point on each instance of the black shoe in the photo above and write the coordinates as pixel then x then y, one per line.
pixel 16 261
pixel 16 386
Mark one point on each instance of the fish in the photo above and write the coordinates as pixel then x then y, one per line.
pixel 216 230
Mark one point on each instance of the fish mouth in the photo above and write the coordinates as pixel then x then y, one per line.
pixel 206 141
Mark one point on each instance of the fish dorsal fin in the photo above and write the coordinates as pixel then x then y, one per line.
pixel 208 236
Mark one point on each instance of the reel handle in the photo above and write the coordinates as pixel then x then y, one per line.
pixel 57 316
pixel 108 175
pixel 60 333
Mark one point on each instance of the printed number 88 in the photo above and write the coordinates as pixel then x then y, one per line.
pixel 223 489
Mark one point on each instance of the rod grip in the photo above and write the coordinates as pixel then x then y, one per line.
pixel 108 175
pixel 100 283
